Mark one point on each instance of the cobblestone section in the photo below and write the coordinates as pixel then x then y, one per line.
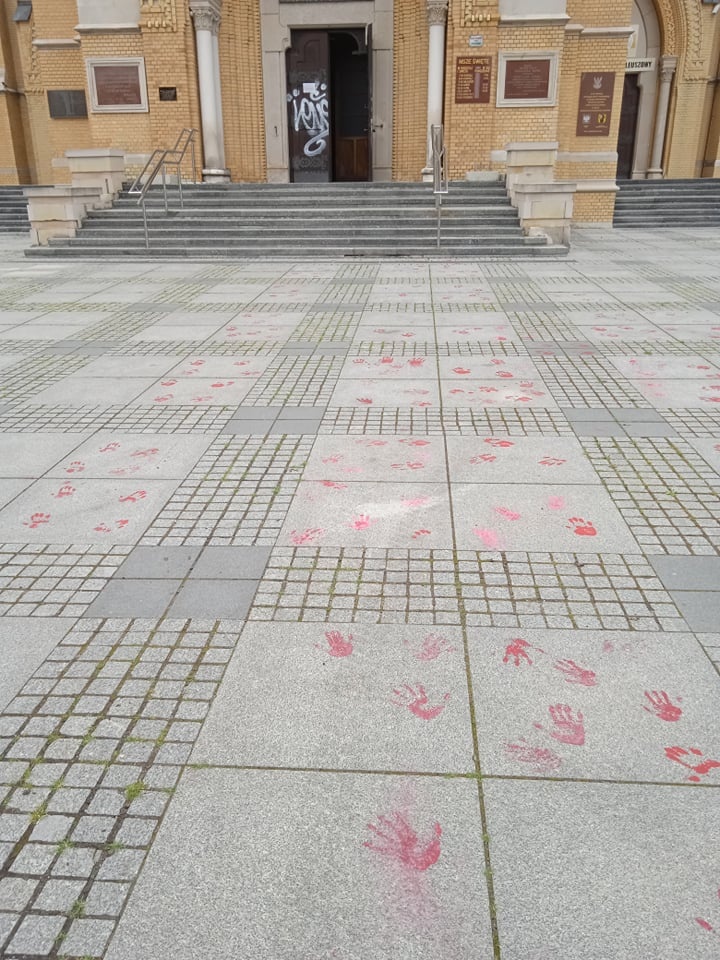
pixel 502 573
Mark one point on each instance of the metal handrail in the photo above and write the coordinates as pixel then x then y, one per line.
pixel 158 163
pixel 439 167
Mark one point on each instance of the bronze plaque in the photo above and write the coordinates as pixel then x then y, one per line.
pixel 118 85
pixel 472 79
pixel 595 106
pixel 527 79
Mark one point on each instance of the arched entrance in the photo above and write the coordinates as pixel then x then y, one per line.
pixel 640 94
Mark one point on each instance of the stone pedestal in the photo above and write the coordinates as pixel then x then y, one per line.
pixel 103 168
pixel 545 209
pixel 59 211
pixel 529 162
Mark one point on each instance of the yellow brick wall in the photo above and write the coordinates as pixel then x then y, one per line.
pixel 593 207
pixel 410 56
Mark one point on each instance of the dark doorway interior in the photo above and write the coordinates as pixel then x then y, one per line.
pixel 628 126
pixel 328 98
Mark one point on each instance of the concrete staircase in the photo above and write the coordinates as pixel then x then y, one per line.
pixel 13 211
pixel 308 220
pixel 668 203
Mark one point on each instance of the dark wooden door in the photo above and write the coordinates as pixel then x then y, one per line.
pixel 628 126
pixel 308 100
pixel 350 105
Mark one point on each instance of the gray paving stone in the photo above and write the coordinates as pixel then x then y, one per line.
pixel 15 893
pixel 7 922
pixel 214 599
pixel 106 899
pixel 231 563
pixel 369 701
pixel 301 413
pixel 701 609
pixel 158 563
pixel 598 428
pixel 134 598
pixel 294 426
pixel 546 839
pixel 378 908
pixel 628 415
pixel 88 938
pixel 688 573
pixel 248 427
pixel 58 896
pixel 36 935
pixel 638 429
pixel 24 643
pixel 593 414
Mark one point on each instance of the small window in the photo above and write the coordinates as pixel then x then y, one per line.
pixel 23 11
pixel 66 104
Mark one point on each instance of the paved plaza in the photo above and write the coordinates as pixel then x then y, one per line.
pixel 362 610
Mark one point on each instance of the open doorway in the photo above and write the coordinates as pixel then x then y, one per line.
pixel 628 126
pixel 328 98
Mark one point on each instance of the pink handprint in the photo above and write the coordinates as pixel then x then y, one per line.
pixel 416 361
pixel 110 448
pixel 569 728
pixel 397 839
pixel 507 513
pixel 699 769
pixel 133 497
pixel 36 520
pixel 146 454
pixel 488 537
pixel 301 537
pixel 496 442
pixel 365 400
pixel 517 650
pixel 333 484
pixel 575 673
pixel 484 458
pixel 337 645
pixel 662 706
pixel 66 490
pixel 75 466
pixel 422 532
pixel 551 461
pixel 417 701
pixel 163 399
pixel 413 502
pixel 541 759
pixel 361 522
pixel 432 647
pixel 556 503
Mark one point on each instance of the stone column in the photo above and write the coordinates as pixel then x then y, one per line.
pixel 667 70
pixel 206 17
pixel 437 15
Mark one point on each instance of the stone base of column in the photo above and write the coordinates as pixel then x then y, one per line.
pixel 427 174
pixel 654 174
pixel 212 175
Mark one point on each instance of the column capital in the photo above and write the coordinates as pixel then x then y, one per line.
pixel 206 14
pixel 437 12
pixel 668 66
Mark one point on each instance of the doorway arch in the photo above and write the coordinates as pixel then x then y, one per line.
pixel 640 93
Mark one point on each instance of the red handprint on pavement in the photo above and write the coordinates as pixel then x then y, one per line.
pixel 361 522
pixel 551 461
pixel 333 484
pixel 505 374
pixel 364 400
pixel 416 700
pixel 699 769
pixel 569 728
pixel 497 442
pixel 517 651
pixel 461 370
pixel 662 706
pixel 416 361
pixel 133 497
pixel 110 448
pixel 432 647
pixel 36 520
pixel 416 443
pixel 395 838
pixel 301 537
pixel 484 458
pixel 75 466
pixel 574 673
pixel 542 759
pixel 337 644
pixel 163 399
pixel 219 384
pixel 583 528
pixel 507 513
pixel 555 503
pixel 66 490
pixel 422 532
pixel 413 502
pixel 146 454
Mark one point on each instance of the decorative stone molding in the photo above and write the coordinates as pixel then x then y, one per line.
pixel 668 66
pixel 476 12
pixel 158 15
pixel 206 14
pixel 437 11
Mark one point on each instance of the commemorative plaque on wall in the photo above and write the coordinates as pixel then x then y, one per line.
pixel 472 79
pixel 118 85
pixel 595 105
pixel 527 79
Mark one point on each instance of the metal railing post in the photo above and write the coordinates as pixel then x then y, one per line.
pixel 145 225
pixel 440 181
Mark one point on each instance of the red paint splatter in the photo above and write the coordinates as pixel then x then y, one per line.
pixel 484 458
pixel 705 925
pixel 163 399
pixel 461 370
pixel 416 700
pixel 505 374
pixel 551 461
pixel 415 501
pixel 110 448
pixel 496 441
pixel 541 759
pixel 219 384
pixel 364 400
pixel 581 527
pixel 337 644
pixel 146 454
pixel 416 361
pixel 662 706
pixel 420 533
pixel 507 513
pixel 568 727
pixel 36 520
pixel 488 537
pixel 699 769
pixel 170 383
pixel 555 503
pixel 395 838
pixel 517 651
pixel 574 673
pixel 417 443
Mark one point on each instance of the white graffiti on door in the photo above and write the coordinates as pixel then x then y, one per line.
pixel 310 112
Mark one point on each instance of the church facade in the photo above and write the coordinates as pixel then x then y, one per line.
pixel 346 90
